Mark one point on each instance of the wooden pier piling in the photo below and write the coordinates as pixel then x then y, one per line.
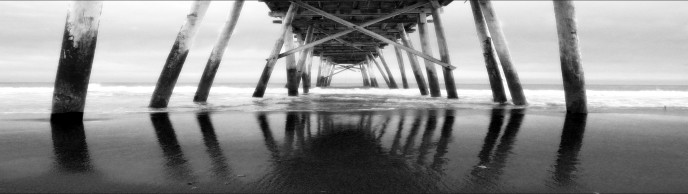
pixel 330 75
pixel 504 55
pixel 420 80
pixel 269 66
pixel 307 74
pixel 498 94
pixel 305 55
pixel 321 67
pixel 392 82
pixel 402 70
pixel 571 67
pixel 76 58
pixel 292 68
pixel 216 55
pixel 177 57
pixel 447 73
pixel 430 70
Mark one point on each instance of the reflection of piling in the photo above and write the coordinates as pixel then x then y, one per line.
pixel 394 150
pixel 445 138
pixel 216 55
pixel 426 140
pixel 569 148
pixel 571 67
pixel 410 140
pixel 493 73
pixel 175 162
pixel 76 57
pixel 69 144
pixel 175 60
pixel 267 135
pixel 219 162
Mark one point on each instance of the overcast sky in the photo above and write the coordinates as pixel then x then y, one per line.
pixel 634 42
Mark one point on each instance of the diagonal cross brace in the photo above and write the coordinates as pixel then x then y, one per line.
pixel 352 29
pixel 371 33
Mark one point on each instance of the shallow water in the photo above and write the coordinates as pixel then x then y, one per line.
pixel 403 150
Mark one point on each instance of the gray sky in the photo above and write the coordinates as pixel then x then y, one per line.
pixel 634 42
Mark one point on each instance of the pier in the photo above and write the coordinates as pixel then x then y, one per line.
pixel 346 35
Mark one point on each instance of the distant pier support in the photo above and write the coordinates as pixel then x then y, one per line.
pixel 330 75
pixel 371 73
pixel 402 70
pixel 76 58
pixel 382 72
pixel 269 66
pixel 420 79
pixel 502 48
pixel 431 72
pixel 449 82
pixel 493 73
pixel 387 70
pixel 175 60
pixel 364 74
pixel 571 67
pixel 320 70
pixel 217 53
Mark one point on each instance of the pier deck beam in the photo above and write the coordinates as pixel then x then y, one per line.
pixel 504 55
pixel 498 94
pixel 177 57
pixel 402 70
pixel 420 79
pixel 216 55
pixel 269 66
pixel 76 58
pixel 447 73
pixel 571 67
pixel 431 72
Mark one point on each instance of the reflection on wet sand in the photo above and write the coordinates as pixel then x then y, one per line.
pixel 567 156
pixel 69 145
pixel 176 165
pixel 348 152
pixel 485 175
pixel 346 155
pixel 220 169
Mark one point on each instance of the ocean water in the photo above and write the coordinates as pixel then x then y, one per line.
pixel 121 98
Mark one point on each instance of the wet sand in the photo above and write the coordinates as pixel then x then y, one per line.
pixel 437 150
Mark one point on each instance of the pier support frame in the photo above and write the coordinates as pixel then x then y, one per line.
pixel 76 58
pixel 502 48
pixel 571 67
pixel 371 73
pixel 216 55
pixel 177 57
pixel 498 94
pixel 431 72
pixel 269 66
pixel 447 73
pixel 420 79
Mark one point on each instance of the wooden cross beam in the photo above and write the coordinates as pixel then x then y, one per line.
pixel 345 32
pixel 340 40
pixel 370 33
